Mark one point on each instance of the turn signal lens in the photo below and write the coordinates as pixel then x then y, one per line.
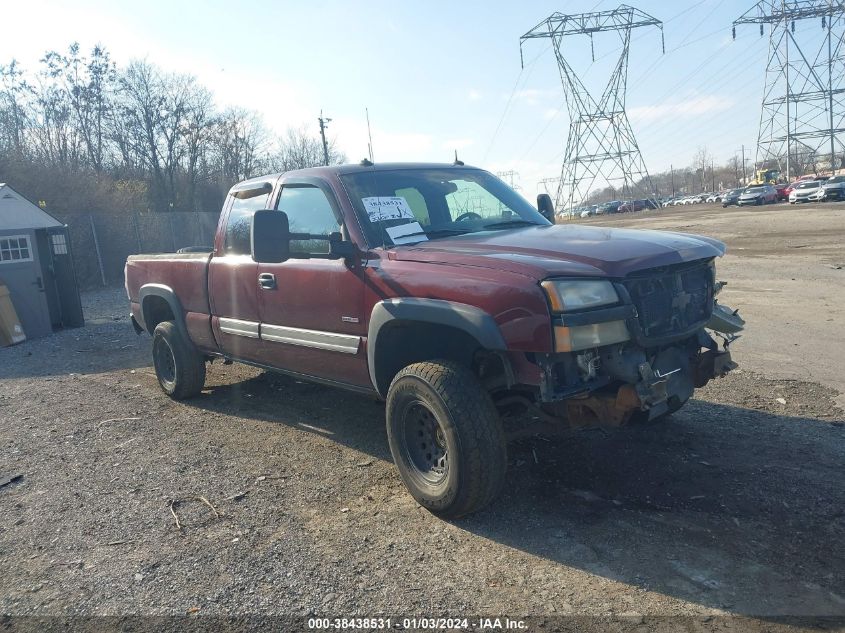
pixel 578 337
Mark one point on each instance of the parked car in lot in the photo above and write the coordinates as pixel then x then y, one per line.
pixel 382 279
pixel 782 189
pixel 714 197
pixel 732 197
pixel 803 190
pixel 817 195
pixel 610 207
pixel 834 188
pixel 791 187
pixel 637 205
pixel 758 194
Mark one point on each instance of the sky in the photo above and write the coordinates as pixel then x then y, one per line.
pixel 437 77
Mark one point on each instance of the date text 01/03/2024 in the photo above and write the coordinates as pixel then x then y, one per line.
pixel 420 623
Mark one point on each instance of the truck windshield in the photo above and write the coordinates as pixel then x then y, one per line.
pixel 406 206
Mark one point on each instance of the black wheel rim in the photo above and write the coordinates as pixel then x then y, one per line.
pixel 425 443
pixel 165 363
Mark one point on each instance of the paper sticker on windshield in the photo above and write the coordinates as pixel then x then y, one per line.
pixel 387 208
pixel 406 233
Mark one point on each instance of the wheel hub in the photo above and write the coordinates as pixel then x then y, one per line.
pixel 165 362
pixel 425 443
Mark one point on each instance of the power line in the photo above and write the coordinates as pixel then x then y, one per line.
pixel 510 99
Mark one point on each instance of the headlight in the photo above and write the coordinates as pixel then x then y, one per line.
pixel 567 295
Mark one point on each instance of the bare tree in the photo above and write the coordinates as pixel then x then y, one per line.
pixel 15 94
pixel 700 162
pixel 241 144
pixel 298 149
pixel 87 85
pixel 160 114
pixel 84 132
pixel 197 133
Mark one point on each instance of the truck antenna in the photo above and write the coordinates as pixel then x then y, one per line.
pixel 369 135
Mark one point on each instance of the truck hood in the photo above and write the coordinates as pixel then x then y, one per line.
pixel 541 251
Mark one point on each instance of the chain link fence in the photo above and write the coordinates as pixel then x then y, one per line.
pixel 102 242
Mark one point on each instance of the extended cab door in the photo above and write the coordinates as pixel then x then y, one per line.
pixel 312 319
pixel 232 287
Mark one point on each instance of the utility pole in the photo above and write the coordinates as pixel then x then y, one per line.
pixel 672 169
pixel 324 123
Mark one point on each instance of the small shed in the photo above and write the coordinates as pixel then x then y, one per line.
pixel 36 266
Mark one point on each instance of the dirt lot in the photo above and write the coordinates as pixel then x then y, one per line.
pixel 736 505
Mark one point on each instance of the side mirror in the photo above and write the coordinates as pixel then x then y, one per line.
pixel 270 237
pixel 546 207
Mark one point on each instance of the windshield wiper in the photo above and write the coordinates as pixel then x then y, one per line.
pixel 435 233
pixel 509 223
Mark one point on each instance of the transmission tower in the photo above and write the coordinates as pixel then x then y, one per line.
pixel 601 142
pixel 803 112
pixel 545 182
pixel 508 177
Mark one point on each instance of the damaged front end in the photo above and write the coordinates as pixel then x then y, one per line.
pixel 669 347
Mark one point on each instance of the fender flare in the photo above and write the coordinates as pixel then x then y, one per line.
pixel 461 316
pixel 166 293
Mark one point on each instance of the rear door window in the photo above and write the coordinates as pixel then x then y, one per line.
pixel 239 223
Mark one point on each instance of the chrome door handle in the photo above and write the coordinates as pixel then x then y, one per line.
pixel 267 281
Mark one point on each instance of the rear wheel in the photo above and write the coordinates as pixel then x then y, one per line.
pixel 446 438
pixel 180 369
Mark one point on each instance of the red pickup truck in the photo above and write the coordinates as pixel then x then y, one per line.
pixel 442 291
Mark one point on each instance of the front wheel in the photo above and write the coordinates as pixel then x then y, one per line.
pixel 180 369
pixel 446 438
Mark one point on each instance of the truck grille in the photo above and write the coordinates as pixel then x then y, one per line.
pixel 673 300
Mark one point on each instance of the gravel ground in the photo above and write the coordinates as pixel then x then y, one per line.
pixel 288 502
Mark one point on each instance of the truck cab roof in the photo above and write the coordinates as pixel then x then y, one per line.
pixel 266 181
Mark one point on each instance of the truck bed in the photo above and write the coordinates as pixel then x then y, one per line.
pixel 185 273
